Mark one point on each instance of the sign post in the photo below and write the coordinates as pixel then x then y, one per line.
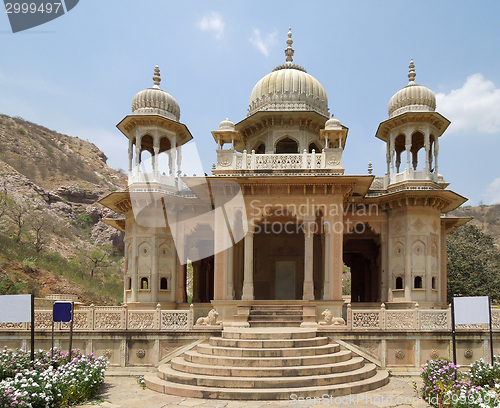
pixel 471 310
pixel 63 312
pixel 19 309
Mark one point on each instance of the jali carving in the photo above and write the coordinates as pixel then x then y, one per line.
pixel 495 319
pixel 365 320
pixel 80 321
pixel 137 320
pixel 434 320
pixel 172 320
pixel 43 320
pixel 108 320
pixel 399 320
pixel 12 326
pixel 433 354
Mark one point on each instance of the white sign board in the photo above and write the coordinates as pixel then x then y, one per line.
pixel 15 308
pixel 472 310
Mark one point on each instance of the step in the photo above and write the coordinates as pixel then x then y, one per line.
pixel 275 333
pixel 197 358
pixel 184 390
pixel 276 306
pixel 265 323
pixel 180 364
pixel 167 373
pixel 285 343
pixel 272 312
pixel 262 352
pixel 274 317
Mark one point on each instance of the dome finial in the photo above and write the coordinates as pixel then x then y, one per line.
pixel 156 76
pixel 411 73
pixel 289 50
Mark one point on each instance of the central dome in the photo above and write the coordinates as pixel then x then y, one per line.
pixel 288 88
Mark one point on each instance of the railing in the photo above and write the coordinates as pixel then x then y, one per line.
pixel 140 177
pixel 112 318
pixel 413 175
pixel 410 319
pixel 327 159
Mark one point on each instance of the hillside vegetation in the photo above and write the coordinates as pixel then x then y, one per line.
pixel 51 236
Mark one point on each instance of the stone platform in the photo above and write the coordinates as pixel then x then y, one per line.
pixel 266 364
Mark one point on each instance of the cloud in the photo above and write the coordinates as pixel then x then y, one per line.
pixel 212 22
pixel 264 44
pixel 494 191
pixel 474 107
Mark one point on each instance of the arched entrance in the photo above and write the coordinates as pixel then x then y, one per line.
pixel 200 246
pixel 362 255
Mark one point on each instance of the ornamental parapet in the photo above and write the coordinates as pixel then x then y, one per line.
pixel 230 160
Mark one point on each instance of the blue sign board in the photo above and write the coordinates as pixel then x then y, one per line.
pixel 61 312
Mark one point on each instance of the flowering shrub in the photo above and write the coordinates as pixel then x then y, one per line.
pixel 484 374
pixel 445 386
pixel 441 377
pixel 52 381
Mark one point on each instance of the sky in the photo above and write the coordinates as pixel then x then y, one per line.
pixel 78 73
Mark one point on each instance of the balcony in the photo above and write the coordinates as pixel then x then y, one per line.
pixel 230 161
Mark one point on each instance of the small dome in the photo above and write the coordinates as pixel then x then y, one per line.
pixel 154 100
pixel 288 88
pixel 412 98
pixel 226 126
pixel 332 124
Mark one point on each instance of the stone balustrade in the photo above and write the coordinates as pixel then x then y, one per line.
pixel 330 159
pixel 410 319
pixel 112 318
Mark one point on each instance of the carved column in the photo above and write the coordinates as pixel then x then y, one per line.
pixel 130 155
pixel 326 263
pixel 408 155
pixel 442 262
pixel 134 268
pixel 229 272
pixel 154 270
pixel 248 267
pixel 408 279
pixel 384 240
pixel 308 293
pixel 222 241
pixel 196 281
pixel 436 151
pixel 179 168
pixel 155 161
pixel 180 246
pixel 427 150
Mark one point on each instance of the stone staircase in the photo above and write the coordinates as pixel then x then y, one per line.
pixel 266 364
pixel 275 315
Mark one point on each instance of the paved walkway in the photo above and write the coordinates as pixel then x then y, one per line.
pixel 124 392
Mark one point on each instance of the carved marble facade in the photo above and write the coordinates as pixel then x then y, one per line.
pixel 301 217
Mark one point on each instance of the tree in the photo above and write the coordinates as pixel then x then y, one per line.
pixel 3 200
pixel 97 258
pixel 473 264
pixel 18 214
pixel 40 224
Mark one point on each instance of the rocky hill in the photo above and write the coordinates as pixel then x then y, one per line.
pixel 485 217
pixel 45 175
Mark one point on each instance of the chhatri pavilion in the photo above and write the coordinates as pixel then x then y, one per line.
pixel 279 217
